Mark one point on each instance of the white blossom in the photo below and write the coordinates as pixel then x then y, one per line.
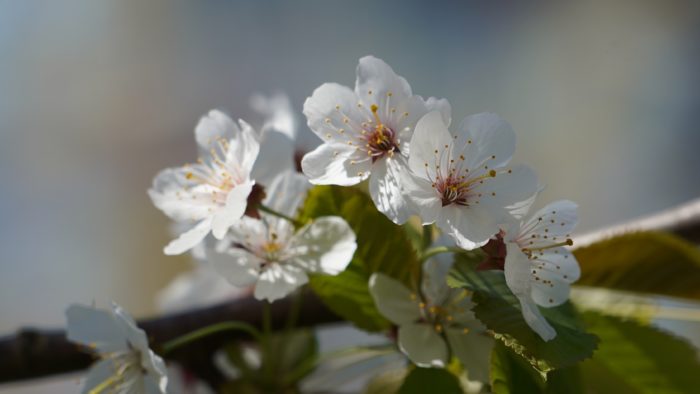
pixel 435 321
pixel 126 365
pixel 538 268
pixel 462 182
pixel 366 133
pixel 212 194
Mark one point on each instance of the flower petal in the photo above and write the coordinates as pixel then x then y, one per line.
pixel 470 227
pixel 214 126
pixel 278 280
pixel 377 82
pixel 555 271
pixel 326 245
pixel 508 190
pixel 333 114
pixel 386 191
pixel 179 198
pixel 422 196
pixel 276 156
pixel 333 164
pixel 189 238
pixel 98 374
pixel 95 328
pixel 518 278
pixel 473 349
pixel 423 345
pixel 236 203
pixel 286 192
pixel 393 299
pixel 490 137
pixel 239 267
pixel 243 150
pixel 430 135
pixel 558 219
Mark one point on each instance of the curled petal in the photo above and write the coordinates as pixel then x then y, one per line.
pixel 236 203
pixel 189 239
pixel 386 190
pixel 278 280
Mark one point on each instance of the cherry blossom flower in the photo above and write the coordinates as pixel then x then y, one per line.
pixel 272 255
pixel 462 182
pixel 538 268
pixel 366 133
pixel 126 365
pixel 435 321
pixel 212 193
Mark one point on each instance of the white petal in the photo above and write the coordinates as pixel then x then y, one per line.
pixel 555 271
pixel 156 379
pixel 430 134
pixel 377 82
pixel 278 112
pixel 535 320
pixel 559 219
pixel 277 281
pixel 518 278
pixel 98 374
pixel 189 239
pixel 441 105
pixel 423 345
pixel 94 327
pixel 386 191
pixel 243 150
pixel 473 349
pixel 136 336
pixel 326 245
pixel 490 136
pixel 335 164
pixel 422 196
pixel 287 192
pixel 393 299
pixel 332 108
pixel 276 156
pixel 239 267
pixel 179 198
pixel 508 190
pixel 214 126
pixel 470 227
pixel 434 284
pixel 236 203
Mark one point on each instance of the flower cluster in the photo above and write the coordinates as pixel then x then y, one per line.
pixel 460 180
pixel 237 211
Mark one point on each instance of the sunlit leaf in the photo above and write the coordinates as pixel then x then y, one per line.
pixel 633 358
pixel 382 247
pixel 500 311
pixel 649 262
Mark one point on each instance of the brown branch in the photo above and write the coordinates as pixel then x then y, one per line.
pixel 33 353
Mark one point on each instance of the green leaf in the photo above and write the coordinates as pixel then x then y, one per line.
pixel 511 374
pixel 648 262
pixel 382 247
pixel 430 380
pixel 633 358
pixel 500 311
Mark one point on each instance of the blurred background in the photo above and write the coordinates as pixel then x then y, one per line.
pixel 97 96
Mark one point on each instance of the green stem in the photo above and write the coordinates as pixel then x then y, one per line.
pixel 209 330
pixel 427 237
pixel 440 250
pixel 279 215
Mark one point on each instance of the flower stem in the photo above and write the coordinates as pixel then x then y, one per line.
pixel 209 330
pixel 279 215
pixel 440 250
